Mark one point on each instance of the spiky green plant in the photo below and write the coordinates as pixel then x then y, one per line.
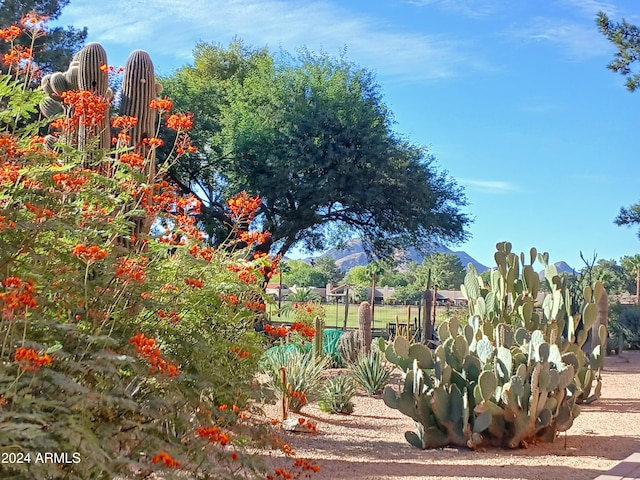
pixel 336 394
pixel 370 373
pixel 302 376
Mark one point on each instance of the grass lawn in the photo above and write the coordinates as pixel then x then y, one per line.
pixel 383 314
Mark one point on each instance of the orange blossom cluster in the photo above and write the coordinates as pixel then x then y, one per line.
pixel 30 360
pixel 243 206
pixel 89 254
pixel 146 348
pixel 168 460
pixel 18 294
pixel 131 269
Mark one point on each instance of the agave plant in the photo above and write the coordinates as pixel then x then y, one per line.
pixel 336 394
pixel 301 375
pixel 370 374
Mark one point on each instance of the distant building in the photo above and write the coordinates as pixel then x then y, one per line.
pixel 274 290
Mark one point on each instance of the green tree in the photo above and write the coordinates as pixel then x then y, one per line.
pixel 447 273
pixel 374 270
pixel 313 138
pixel 54 50
pixel 358 293
pixel 610 274
pixel 357 276
pixel 631 267
pixel 301 274
pixel 626 37
pixel 327 266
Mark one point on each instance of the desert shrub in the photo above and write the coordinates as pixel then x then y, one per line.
pixel 303 375
pixel 629 324
pixel 306 312
pixel 336 393
pixel 370 373
pixel 132 349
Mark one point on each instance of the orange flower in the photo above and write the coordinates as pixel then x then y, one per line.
pixel 192 282
pixel 243 206
pixel 89 254
pixel 161 104
pixel 167 459
pixel 88 108
pixel 213 434
pixel 180 121
pixel 130 269
pixel 231 299
pixel 29 359
pixel 132 159
pixel 146 348
pixel 124 122
pixel 11 33
pixel 18 294
pixel 153 142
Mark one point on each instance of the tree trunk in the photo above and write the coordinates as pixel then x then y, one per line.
pixel 638 286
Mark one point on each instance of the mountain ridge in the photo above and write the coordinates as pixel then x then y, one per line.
pixel 352 254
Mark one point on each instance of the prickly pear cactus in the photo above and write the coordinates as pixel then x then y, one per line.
pixel 474 392
pixel 513 373
pixel 510 298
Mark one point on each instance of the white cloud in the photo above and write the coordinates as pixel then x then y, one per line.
pixel 488 186
pixel 590 8
pixel 577 40
pixel 539 107
pixel 469 8
pixel 172 27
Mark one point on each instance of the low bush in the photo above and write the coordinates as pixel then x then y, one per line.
pixel 629 324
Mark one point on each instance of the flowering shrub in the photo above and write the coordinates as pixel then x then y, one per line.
pixel 118 347
pixel 306 312
pixel 298 332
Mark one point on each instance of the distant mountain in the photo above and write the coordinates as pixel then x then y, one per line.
pixel 353 254
pixel 563 267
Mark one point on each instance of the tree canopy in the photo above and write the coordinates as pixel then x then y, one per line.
pixel 55 49
pixel 311 135
pixel 626 37
pixel 301 274
pixel 442 270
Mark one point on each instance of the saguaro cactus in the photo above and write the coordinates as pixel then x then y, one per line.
pixel 318 338
pixel 427 306
pixel 139 89
pixel 91 62
pixel 364 325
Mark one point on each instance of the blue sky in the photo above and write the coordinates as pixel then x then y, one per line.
pixel 512 97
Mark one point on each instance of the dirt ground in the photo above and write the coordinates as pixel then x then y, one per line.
pixel 370 444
